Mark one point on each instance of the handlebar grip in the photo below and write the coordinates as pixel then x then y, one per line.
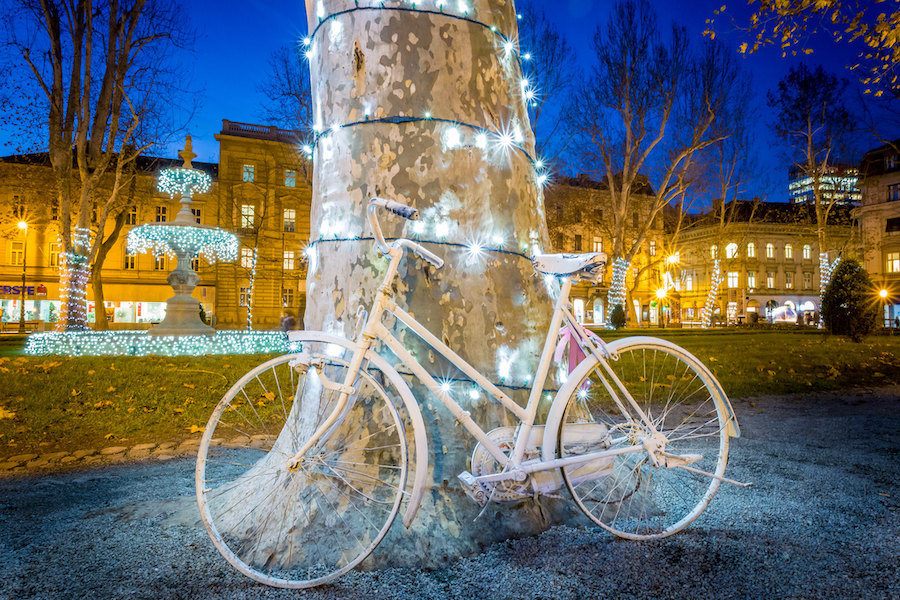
pixel 401 210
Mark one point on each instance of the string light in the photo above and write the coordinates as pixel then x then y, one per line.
pixel 73 285
pixel 708 310
pixel 616 294
pixel 250 289
pixel 826 270
pixel 141 343
pixel 180 181
pixel 158 238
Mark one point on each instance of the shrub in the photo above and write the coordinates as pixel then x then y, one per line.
pixel 848 306
pixel 617 317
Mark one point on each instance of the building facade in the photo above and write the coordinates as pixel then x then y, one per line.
pixel 260 191
pixel 879 221
pixel 579 219
pixel 768 256
pixel 839 184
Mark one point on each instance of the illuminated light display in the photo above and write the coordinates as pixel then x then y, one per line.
pixel 141 343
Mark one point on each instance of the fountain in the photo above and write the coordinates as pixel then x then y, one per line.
pixel 185 239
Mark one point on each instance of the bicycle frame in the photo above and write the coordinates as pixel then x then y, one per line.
pixel 375 330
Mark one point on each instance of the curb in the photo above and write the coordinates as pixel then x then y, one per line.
pixel 22 464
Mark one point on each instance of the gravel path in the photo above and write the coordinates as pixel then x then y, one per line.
pixel 821 521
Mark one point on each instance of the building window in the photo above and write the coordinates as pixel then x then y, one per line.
pixel 689 281
pixel 770 250
pixel 751 250
pixel 890 161
pixel 807 252
pixel 634 219
pixel 788 252
pixel 290 178
pixel 731 250
pixel 714 251
pixel 893 192
pixel 196 213
pixel 55 249
pixel 598 245
pixel 129 264
pixel 17 254
pixel 732 280
pixel 290 220
pixel 247 258
pixel 770 280
pixel 245 298
pixel 162 213
pixel 577 243
pixel 893 262
pixel 131 216
pixel 249 173
pixel 807 280
pixel 287 297
pixel 248 216
pixel 558 241
pixel 159 264
pixel 289 261
pixel 54 209
pixel 598 214
pixel 751 279
pixel 892 225
pixel 788 280
pixel 652 247
pixel 195 264
pixel 18 207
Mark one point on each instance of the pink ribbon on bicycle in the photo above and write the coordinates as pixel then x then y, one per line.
pixel 568 339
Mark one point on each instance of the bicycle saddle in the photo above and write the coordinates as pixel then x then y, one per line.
pixel 587 266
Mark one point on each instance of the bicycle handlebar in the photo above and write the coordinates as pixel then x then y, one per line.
pixel 407 212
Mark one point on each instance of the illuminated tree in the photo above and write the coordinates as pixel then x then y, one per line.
pixel 869 25
pixel 849 306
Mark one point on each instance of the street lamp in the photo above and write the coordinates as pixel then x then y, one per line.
pixel 886 315
pixel 23 227
pixel 660 296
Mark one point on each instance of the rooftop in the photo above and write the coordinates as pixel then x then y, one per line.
pixel 260 132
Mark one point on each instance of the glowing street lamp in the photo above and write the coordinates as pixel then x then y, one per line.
pixel 661 293
pixel 883 294
pixel 23 227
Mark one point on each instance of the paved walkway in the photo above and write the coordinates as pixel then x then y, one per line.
pixel 821 521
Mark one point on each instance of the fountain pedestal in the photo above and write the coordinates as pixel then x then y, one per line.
pixel 182 309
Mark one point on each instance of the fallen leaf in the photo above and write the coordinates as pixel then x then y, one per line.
pixel 74 393
pixel 110 389
pixel 6 414
pixel 196 429
pixel 189 386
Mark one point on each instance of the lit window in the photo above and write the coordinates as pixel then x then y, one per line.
pixel 770 250
pixel 17 253
pixel 290 220
pixel 129 264
pixel 788 280
pixel 287 297
pixel 689 281
pixel 807 281
pixel 770 279
pixel 131 216
pixel 248 216
pixel 249 173
pixel 18 207
pixel 598 245
pixel 577 243
pixel 289 261
pixel 195 264
pixel 55 249
pixel 160 263
pixel 290 178
pixel 244 299
pixel 247 258
pixel 893 192
pixel 161 214
pixel 714 251
pixel 807 252
pixel 652 247
pixel 732 280
pixel 751 279
pixel 196 213
pixel 893 262
pixel 731 250
pixel 751 250
pixel 789 252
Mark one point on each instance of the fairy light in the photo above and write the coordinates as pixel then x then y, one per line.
pixel 250 290
pixel 616 294
pixel 183 182
pixel 212 243
pixel 709 307
pixel 141 343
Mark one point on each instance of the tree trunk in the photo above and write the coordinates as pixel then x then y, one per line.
pixel 392 68
pixel 101 322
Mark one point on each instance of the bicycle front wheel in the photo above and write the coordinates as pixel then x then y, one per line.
pixel 303 527
pixel 628 495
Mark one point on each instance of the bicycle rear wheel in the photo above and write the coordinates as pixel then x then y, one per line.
pixel 629 495
pixel 302 528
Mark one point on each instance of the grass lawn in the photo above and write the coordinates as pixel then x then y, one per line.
pixel 59 403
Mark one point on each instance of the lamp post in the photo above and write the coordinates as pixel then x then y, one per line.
pixel 886 317
pixel 660 297
pixel 23 227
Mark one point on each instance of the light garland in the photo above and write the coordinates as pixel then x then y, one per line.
pixel 709 307
pixel 183 182
pixel 140 343
pixel 160 238
pixel 73 286
pixel 826 270
pixel 250 289
pixel 616 296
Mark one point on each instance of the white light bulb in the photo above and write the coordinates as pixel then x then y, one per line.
pixel 307 41
pixel 481 140
pixel 428 115
pixel 539 164
pixel 524 83
pixel 526 56
pixel 508 47
pixel 335 127
pixel 473 394
pixel 442 229
pixel 452 138
pixel 308 54
pixel 445 387
pixel 418 227
pixel 505 140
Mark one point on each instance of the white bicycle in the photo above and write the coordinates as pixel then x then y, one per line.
pixel 303 465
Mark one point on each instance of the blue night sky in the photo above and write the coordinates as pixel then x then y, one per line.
pixel 236 37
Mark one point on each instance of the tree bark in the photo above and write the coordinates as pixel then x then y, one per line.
pixel 376 65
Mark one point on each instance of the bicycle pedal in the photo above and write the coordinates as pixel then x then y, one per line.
pixel 472 488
